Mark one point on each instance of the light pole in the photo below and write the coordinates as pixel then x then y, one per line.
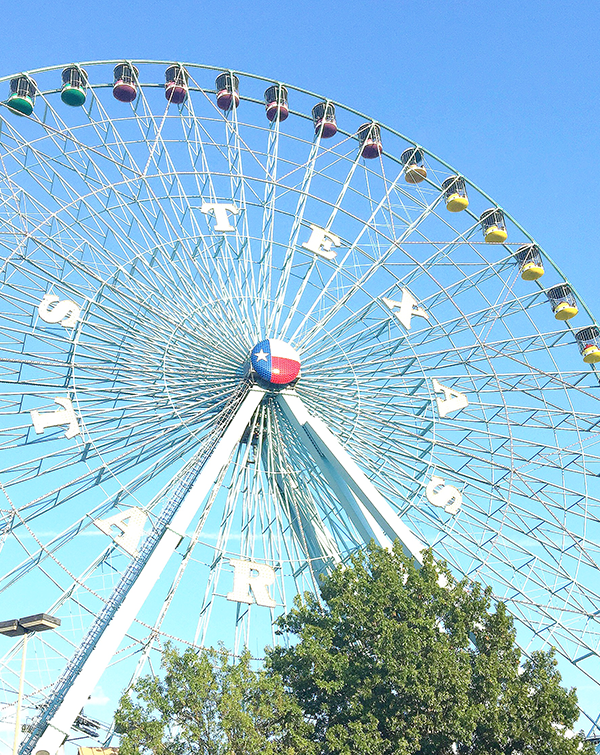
pixel 39 622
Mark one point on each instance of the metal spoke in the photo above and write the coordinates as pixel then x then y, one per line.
pixel 424 356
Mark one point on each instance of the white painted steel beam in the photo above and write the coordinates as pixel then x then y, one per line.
pixel 365 525
pixel 342 472
pixel 60 724
pixel 309 528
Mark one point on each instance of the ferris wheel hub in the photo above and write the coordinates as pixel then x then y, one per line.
pixel 275 361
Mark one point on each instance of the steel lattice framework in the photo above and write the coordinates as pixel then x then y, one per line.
pixel 147 247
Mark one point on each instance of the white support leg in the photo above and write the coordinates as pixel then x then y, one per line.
pixel 60 725
pixel 306 523
pixel 334 461
pixel 366 526
pixel 356 510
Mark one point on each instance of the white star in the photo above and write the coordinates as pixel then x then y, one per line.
pixel 260 356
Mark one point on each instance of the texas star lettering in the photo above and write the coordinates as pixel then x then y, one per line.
pixel 321 241
pixel 125 528
pixel 54 310
pixel 444 496
pixel 251 583
pixel 452 401
pixel 221 213
pixel 406 308
pixel 65 416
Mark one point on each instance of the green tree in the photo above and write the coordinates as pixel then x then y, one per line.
pixel 203 703
pixel 395 659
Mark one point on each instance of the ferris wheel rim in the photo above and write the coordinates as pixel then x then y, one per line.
pixel 135 61
pixel 427 269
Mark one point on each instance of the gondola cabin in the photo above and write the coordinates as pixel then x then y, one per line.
pixel 276 103
pixel 323 115
pixel 369 138
pixel 228 87
pixel 176 84
pixel 125 87
pixel 529 261
pixel 562 301
pixel 455 194
pixel 414 169
pixel 588 340
pixel 22 95
pixel 493 226
pixel 74 84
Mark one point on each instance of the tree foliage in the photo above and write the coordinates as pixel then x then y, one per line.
pixel 390 659
pixel 395 659
pixel 203 703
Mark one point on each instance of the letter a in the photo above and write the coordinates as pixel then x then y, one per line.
pixel 129 523
pixel 453 400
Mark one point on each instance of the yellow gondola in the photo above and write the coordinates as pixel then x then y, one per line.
pixel 455 193
pixel 563 302
pixel 529 260
pixel 493 226
pixel 588 340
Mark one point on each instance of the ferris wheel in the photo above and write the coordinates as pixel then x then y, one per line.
pixel 246 330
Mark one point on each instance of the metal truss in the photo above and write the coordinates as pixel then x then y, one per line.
pixel 439 401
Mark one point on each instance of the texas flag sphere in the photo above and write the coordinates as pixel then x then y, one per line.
pixel 275 361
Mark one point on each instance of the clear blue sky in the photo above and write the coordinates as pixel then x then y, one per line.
pixel 508 93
